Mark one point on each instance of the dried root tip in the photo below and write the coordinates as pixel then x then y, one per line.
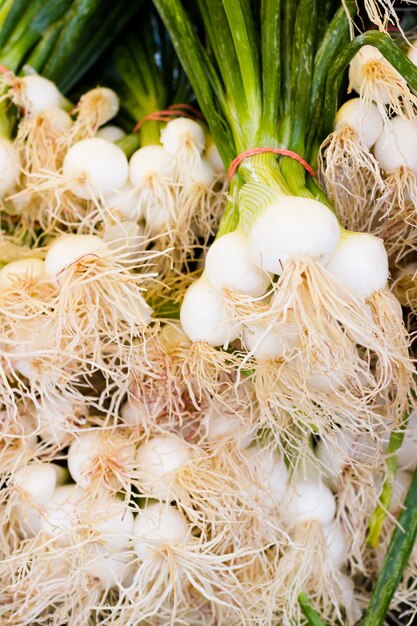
pixel 95 108
pixel 100 302
pixel 307 566
pixel 296 402
pixel 210 373
pixel 394 216
pixel 46 586
pixel 357 497
pixel 404 287
pixel 201 206
pixel 331 322
pixel 45 201
pixel 102 461
pixel 387 313
pixel 381 13
pixel 382 84
pixel 38 138
pixel 351 176
pixel 18 440
pixel 189 218
pixel 189 580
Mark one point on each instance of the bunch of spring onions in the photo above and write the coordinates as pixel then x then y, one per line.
pixel 207 384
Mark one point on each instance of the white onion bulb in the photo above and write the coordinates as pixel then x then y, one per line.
pixel 201 174
pixel 269 341
pixel 30 268
pixel 69 249
pixel 81 455
pixel 364 117
pixel 9 167
pixel 95 167
pixel 59 120
pixel 109 569
pixel 229 266
pixel 39 93
pixel 158 460
pixel 204 316
pixel 125 236
pixel 60 517
pixel 37 479
pixel 268 476
pixel 337 543
pixel 214 158
pixel 395 146
pixel 125 202
pixel 183 134
pixel 309 501
pixel 110 133
pixel 112 522
pixel 358 77
pixel 149 165
pixel 360 263
pixel 159 526
pixel 292 227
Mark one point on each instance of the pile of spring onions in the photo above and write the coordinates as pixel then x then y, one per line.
pixel 208 299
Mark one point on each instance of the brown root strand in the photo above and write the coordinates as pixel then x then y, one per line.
pixel 351 176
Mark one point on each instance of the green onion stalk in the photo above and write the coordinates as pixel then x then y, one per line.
pixel 157 107
pixel 270 79
pixel 145 72
pixel 268 76
pixel 54 39
pixel 60 40
pixel 395 560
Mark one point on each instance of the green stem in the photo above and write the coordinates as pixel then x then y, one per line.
pixel 304 36
pixel 312 616
pixel 42 50
pixel 378 516
pixel 201 73
pixel 129 143
pixel 289 8
pixel 150 133
pixel 230 217
pixel 271 64
pixel 10 15
pixel 220 40
pixel 91 27
pixel 31 27
pixel 395 561
pixel 335 36
pixel 244 37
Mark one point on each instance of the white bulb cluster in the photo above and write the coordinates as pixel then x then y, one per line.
pixel 391 138
pixel 236 264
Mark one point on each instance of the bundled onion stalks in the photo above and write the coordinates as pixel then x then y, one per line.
pixel 207 390
pixel 176 179
pixel 367 162
pixel 299 306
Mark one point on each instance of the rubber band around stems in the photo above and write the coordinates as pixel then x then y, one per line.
pixel 166 115
pixel 280 151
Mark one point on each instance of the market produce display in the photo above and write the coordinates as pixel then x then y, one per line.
pixel 208 300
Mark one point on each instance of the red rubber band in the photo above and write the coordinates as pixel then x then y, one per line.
pixel 281 151
pixel 187 107
pixel 166 115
